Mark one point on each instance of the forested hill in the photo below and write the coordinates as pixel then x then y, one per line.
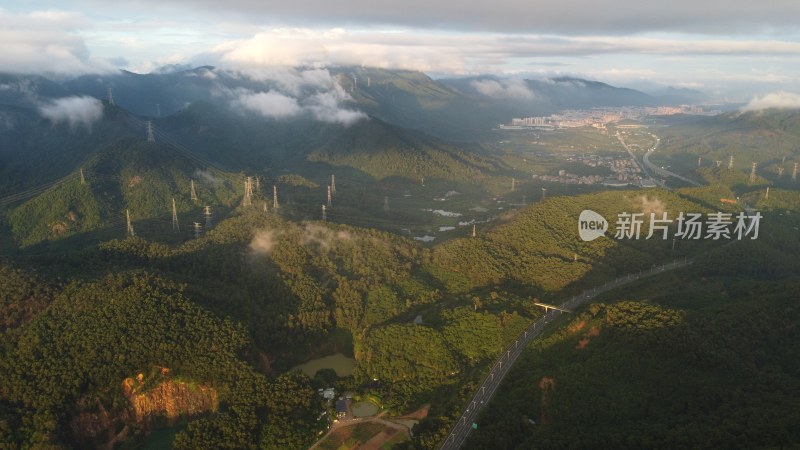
pixel 692 361
pixel 257 293
pixel 382 151
pixel 376 148
pixel 45 198
pixel 163 270
pixel 124 173
pixel 36 151
pixel 768 138
pixel 538 246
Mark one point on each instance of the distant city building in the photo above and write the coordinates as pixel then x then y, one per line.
pixel 599 117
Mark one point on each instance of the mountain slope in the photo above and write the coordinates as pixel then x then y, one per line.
pixel 382 151
pixel 770 138
pixel 125 174
pixel 455 109
pixel 372 146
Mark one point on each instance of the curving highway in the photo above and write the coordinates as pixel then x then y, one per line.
pixel 459 432
pixel 652 167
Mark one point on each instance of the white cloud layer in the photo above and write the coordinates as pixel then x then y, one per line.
pixel 271 104
pixel 325 106
pixel 676 41
pixel 74 111
pixel 308 47
pixel 512 89
pixel 45 41
pixel 462 52
pixel 779 100
pixel 296 92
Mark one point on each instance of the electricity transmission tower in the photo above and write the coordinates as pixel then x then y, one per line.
pixel 248 191
pixel 207 215
pixel 150 136
pixel 175 225
pixel 130 225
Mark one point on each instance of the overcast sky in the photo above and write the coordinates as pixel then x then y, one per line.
pixel 731 48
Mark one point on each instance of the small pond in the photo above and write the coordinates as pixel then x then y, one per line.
pixel 343 365
pixel 364 409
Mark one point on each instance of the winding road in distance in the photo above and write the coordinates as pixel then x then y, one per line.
pixel 459 432
pixel 654 168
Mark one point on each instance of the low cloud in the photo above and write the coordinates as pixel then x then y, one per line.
pixel 208 177
pixel 263 242
pixel 779 100
pixel 74 111
pixel 7 122
pixel 321 237
pixel 271 104
pixel 505 89
pixel 325 106
pixel 294 92
pixel 650 205
pixel 289 80
pixel 316 235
